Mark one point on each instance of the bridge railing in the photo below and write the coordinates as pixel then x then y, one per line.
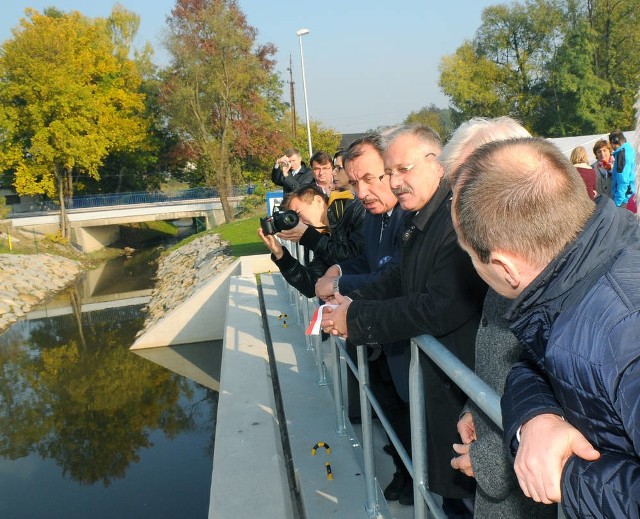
pixel 114 199
pixel 426 504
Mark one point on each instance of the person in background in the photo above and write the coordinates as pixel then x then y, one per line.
pixel 482 454
pixel 571 409
pixel 290 172
pixel 322 167
pixel 623 181
pixel 345 219
pixel 579 160
pixel 603 166
pixel 342 196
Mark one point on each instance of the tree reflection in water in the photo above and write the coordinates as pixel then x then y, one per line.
pixel 81 398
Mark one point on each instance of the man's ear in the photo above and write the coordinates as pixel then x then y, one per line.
pixel 507 267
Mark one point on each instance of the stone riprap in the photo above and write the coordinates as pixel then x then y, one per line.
pixel 182 272
pixel 27 280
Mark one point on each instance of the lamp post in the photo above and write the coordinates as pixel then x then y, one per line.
pixel 300 34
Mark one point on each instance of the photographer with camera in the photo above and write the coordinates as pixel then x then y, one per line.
pixel 309 204
pixel 290 172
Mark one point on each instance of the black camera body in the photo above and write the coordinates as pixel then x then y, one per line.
pixel 279 221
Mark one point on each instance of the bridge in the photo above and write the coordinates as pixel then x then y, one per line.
pixel 95 220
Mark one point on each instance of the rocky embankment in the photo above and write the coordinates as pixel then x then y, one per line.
pixel 182 272
pixel 27 280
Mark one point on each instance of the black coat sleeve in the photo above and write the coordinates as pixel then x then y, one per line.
pixel 345 241
pixel 451 296
pixel 297 275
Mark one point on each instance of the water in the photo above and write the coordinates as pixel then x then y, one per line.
pixel 91 429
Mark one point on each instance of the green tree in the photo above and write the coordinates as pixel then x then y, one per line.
pixel 501 71
pixel 437 118
pixel 66 102
pixel 562 67
pixel 322 139
pixel 219 93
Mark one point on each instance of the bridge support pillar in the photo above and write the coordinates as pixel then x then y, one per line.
pixel 214 218
pixel 91 239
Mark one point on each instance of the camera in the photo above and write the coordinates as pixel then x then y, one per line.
pixel 279 221
pixel 285 164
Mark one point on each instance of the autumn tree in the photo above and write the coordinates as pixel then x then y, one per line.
pixel 220 94
pixel 67 99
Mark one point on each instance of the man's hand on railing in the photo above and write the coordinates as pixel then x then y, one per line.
pixel 334 320
pixel 546 443
pixel 324 285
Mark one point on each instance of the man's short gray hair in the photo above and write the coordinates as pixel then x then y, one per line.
pixel 425 133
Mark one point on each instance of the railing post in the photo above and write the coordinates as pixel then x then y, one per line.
pixel 371 503
pixel 418 432
pixel 341 425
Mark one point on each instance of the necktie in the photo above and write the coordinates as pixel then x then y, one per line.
pixel 385 222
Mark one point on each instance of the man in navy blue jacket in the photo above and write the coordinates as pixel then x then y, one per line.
pixel 571 411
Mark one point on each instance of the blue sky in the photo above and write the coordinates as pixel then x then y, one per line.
pixel 367 63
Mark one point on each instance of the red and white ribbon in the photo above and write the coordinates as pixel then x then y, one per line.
pixel 314 325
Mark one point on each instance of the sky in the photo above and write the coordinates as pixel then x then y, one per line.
pixel 367 63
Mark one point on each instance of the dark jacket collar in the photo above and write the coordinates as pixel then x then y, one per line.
pixel 572 273
pixel 422 217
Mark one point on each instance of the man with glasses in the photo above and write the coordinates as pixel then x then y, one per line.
pixel 434 290
pixel 290 172
pixel 322 167
pixel 388 364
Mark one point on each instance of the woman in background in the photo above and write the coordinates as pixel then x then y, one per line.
pixel 579 160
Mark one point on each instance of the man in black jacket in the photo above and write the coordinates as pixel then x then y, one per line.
pixel 388 365
pixel 290 172
pixel 435 290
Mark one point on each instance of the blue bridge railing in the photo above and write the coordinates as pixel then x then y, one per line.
pixel 112 199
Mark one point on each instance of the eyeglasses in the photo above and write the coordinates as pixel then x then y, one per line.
pixel 337 168
pixel 328 167
pixel 400 171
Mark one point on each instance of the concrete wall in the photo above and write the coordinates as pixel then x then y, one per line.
pixel 201 317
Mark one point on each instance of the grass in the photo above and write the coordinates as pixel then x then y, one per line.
pixel 242 236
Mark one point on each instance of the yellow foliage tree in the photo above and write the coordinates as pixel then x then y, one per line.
pixel 67 99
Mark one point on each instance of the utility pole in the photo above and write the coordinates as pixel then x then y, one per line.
pixel 293 101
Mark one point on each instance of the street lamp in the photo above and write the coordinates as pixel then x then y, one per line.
pixel 300 34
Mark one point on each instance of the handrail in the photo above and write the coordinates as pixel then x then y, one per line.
pixel 488 400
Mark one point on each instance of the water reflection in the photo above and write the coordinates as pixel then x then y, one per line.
pixel 73 396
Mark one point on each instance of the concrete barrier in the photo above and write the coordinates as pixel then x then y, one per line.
pixel 201 317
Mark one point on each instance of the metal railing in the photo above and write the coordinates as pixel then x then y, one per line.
pixel 115 199
pixel 425 502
